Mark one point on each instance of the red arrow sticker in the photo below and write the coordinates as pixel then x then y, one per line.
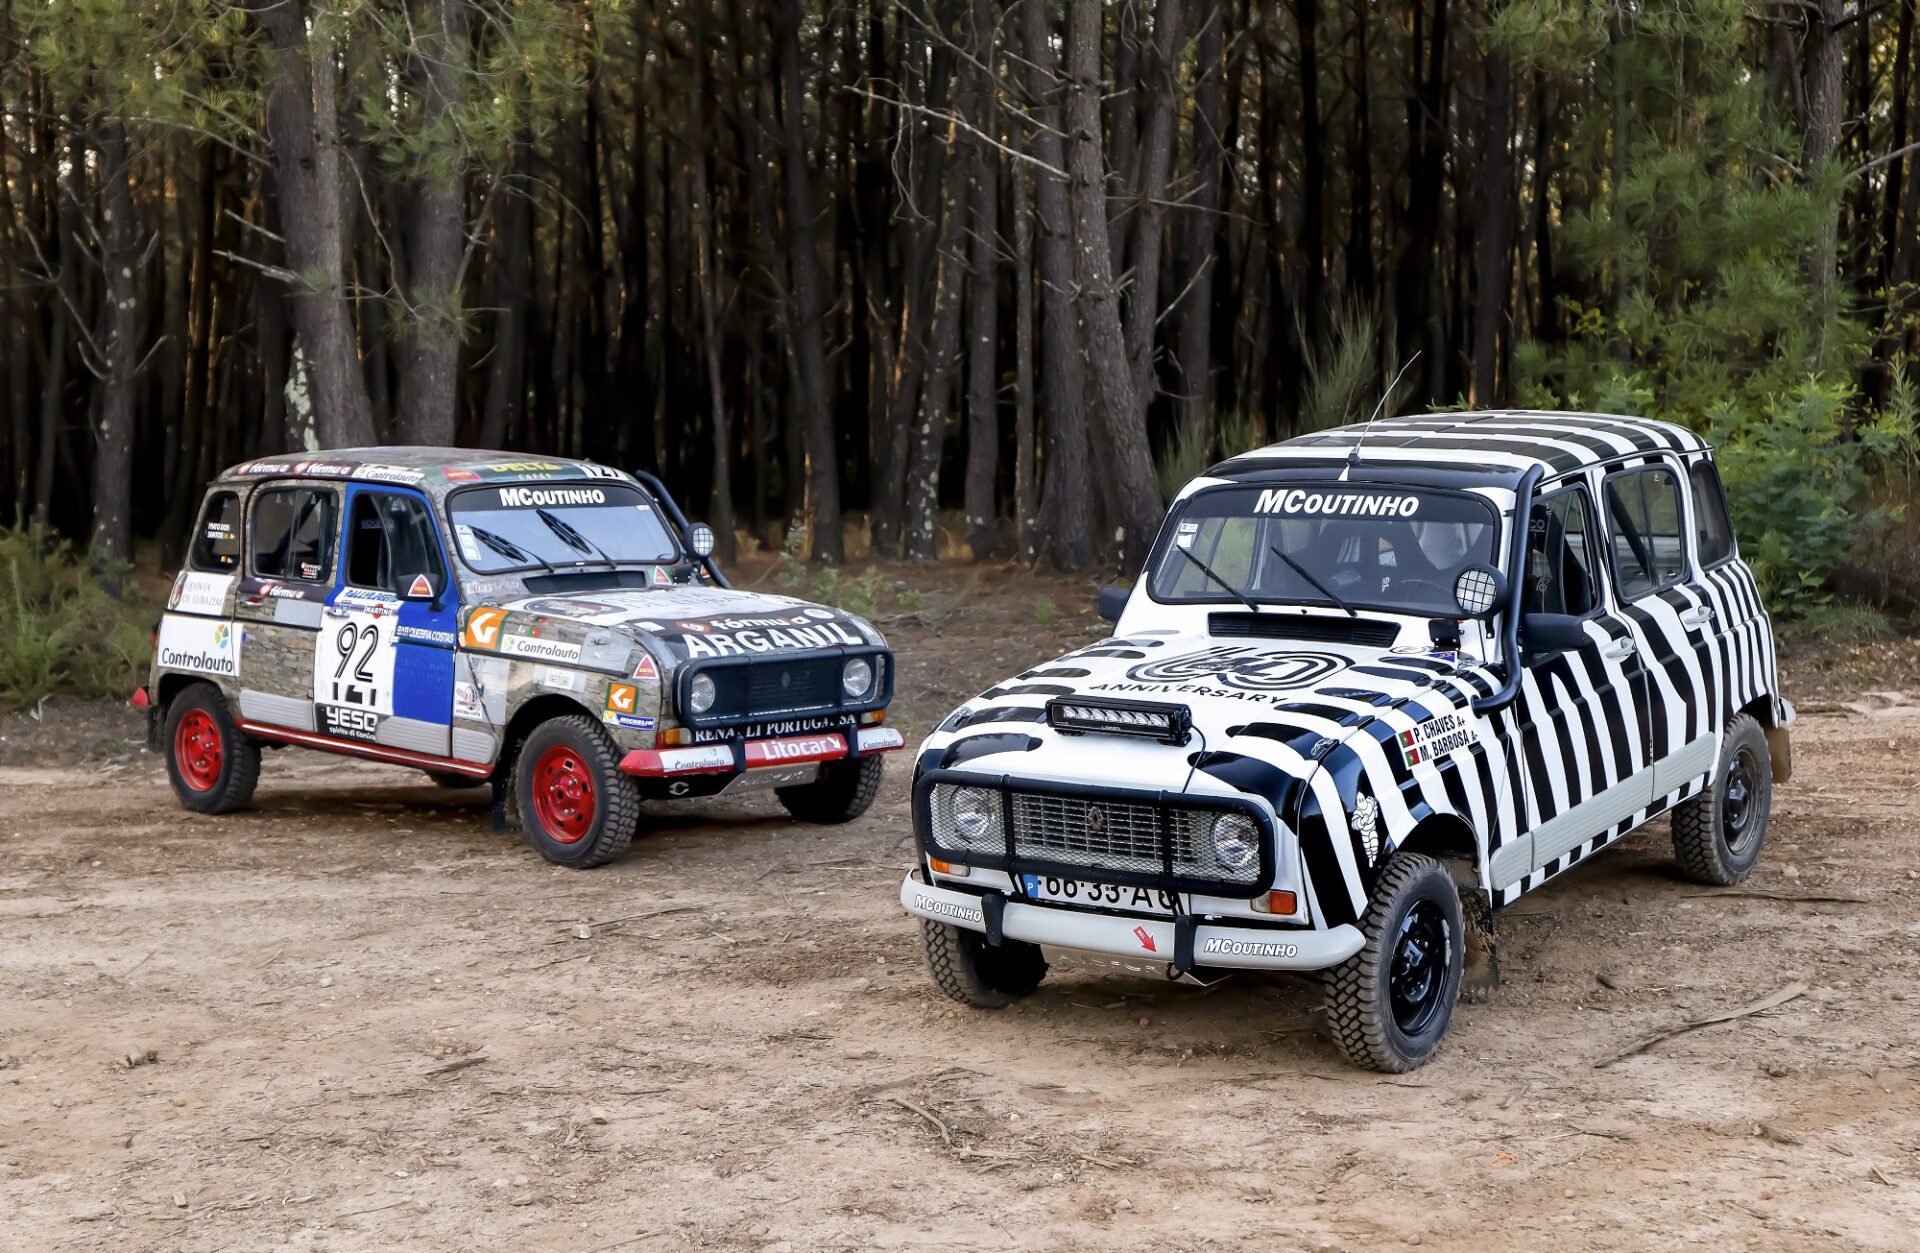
pixel 1146 939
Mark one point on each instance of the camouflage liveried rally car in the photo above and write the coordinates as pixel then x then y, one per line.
pixel 554 628
pixel 1374 683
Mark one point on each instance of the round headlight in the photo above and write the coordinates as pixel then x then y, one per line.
pixel 857 677
pixel 1236 840
pixel 974 810
pixel 700 693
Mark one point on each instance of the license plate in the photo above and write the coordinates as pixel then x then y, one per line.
pixel 1107 895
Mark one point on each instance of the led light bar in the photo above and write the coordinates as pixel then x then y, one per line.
pixel 1170 724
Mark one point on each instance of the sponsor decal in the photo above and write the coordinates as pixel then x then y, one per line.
pixel 421 588
pixel 194 592
pixel 1223 947
pixel 790 726
pixel 1433 738
pixel 198 645
pixel 367 600
pixel 539 649
pixel 467 702
pixel 483 628
pixel 719 640
pixel 353 665
pixel 388 474
pixel 1366 821
pixel 1327 504
pixel 569 607
pixel 348 722
pixel 662 577
pixel 265 467
pixel 565 680
pixel 1146 939
pixel 325 469
pixel 946 909
pixel 1239 666
pixel 622 698
pixel 799 748
pixel 646 669
pixel 546 497
pixel 456 475
pixel 632 722
pixel 523 467
pixel 425 635
pixel 594 471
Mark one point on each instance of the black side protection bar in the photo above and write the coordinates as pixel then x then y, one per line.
pixel 661 494
pixel 1516 594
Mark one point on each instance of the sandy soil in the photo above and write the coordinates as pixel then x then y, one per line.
pixel 363 1021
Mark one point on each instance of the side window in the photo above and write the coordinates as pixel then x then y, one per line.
pixel 390 542
pixel 1712 529
pixel 1649 538
pixel 293 530
pixel 216 541
pixel 1562 575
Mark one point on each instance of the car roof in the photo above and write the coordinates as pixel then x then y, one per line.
pixel 1497 445
pixel 431 469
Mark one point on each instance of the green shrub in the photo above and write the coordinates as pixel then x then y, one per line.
pixel 60 630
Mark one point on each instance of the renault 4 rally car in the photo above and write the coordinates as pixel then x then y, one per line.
pixel 1373 684
pixel 554 628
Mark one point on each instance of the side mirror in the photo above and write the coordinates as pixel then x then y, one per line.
pixel 1479 591
pixel 1113 602
pixel 700 540
pixel 1552 633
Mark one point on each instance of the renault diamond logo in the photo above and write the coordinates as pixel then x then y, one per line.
pixel 1096 819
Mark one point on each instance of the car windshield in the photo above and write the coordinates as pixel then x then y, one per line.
pixel 1384 548
pixel 526 526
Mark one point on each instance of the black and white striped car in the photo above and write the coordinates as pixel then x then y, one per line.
pixel 1374 684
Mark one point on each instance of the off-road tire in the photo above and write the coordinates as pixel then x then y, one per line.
pixel 1707 847
pixel 975 973
pixel 615 816
pixel 447 779
pixel 1359 994
pixel 231 785
pixel 841 793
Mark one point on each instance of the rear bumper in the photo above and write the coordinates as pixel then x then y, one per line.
pixel 1137 939
pixel 739 755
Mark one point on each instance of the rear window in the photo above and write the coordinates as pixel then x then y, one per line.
pixel 1712 529
pixel 216 540
pixel 293 534
pixel 1649 544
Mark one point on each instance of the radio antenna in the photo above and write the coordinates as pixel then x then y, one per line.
pixel 1353 454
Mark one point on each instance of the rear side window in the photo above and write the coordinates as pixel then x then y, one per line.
pixel 391 542
pixel 293 532
pixel 216 541
pixel 1562 570
pixel 1649 540
pixel 1712 529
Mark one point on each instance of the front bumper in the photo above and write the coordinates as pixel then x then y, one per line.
pixel 1136 939
pixel 736 756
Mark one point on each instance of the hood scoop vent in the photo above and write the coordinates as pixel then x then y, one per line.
pixel 1368 632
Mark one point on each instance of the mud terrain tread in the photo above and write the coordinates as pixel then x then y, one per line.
pixel 839 795
pixel 1353 987
pixel 620 818
pixel 954 960
pixel 1696 822
pixel 240 751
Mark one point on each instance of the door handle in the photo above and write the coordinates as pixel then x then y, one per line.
pixel 334 611
pixel 1697 617
pixel 1619 650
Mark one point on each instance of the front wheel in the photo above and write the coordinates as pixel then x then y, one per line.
pixel 213 767
pixel 973 972
pixel 1389 1005
pixel 842 793
pixel 1717 835
pixel 576 807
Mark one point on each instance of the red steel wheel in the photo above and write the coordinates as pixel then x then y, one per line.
pixel 563 796
pixel 198 750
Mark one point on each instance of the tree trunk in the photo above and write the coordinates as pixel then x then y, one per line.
pixel 513 272
pixel 1136 500
pixel 1493 239
pixel 720 507
pixel 112 541
pixel 1313 175
pixel 815 417
pixel 1067 503
pixel 927 436
pixel 1150 199
pixel 436 230
pixel 1826 51
pixel 1026 489
pixel 983 305
pixel 303 125
pixel 1201 226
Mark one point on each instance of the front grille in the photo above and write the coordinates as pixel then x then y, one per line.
pixel 770 688
pixel 1129 839
pixel 794 687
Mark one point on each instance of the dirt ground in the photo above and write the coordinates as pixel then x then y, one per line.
pixel 364 1021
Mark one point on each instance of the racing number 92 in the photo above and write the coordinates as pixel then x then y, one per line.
pixel 358 688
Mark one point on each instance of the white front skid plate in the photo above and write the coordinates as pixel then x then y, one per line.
pixel 1138 939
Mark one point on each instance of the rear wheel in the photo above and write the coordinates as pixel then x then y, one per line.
pixel 213 767
pixel 1390 1004
pixel 976 973
pixel 576 808
pixel 1717 835
pixel 842 793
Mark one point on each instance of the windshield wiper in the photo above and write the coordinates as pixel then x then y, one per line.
pixel 1207 570
pixel 1322 588
pixel 508 549
pixel 573 538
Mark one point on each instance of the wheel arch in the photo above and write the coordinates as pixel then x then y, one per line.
pixel 537 709
pixel 1452 841
pixel 1766 710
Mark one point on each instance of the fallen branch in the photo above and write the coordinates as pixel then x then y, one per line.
pixel 946 1136
pixel 585 930
pixel 450 1067
pixel 1792 991
pixel 1768 894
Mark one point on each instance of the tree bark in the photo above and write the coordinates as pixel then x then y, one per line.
pixel 436 229
pixel 983 304
pixel 720 430
pixel 1826 52
pixel 927 436
pixel 1150 199
pixel 1199 255
pixel 112 539
pixel 304 128
pixel 1493 236
pixel 1026 488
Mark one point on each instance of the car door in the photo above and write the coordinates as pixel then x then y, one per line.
pixel 1650 553
pixel 1579 739
pixel 383 673
pixel 292 535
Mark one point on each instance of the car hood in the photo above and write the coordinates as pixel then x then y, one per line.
pixel 693 622
pixel 1265 712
